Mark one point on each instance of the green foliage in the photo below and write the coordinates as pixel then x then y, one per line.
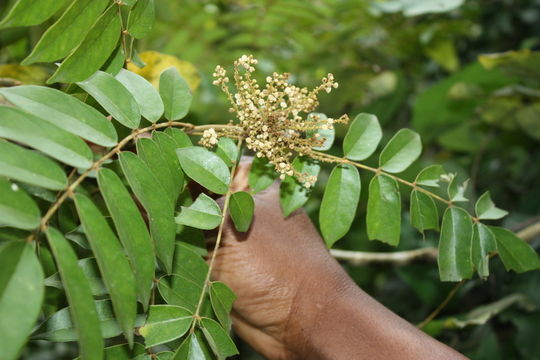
pixel 124 226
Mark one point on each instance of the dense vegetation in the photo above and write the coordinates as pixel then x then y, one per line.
pixel 131 96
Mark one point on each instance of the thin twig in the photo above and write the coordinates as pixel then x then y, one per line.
pixel 196 315
pixel 442 305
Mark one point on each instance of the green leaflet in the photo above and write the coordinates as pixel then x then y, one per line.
pixel 424 214
pixel 67 32
pixel 261 174
pixel 486 209
pixel 175 93
pixel 194 347
pixel 22 127
pixel 21 294
pixel 30 12
pixel 205 167
pixel 146 96
pixel 90 270
pixel 218 339
pixel 77 288
pixel 203 214
pixel 241 208
pixel 94 50
pixel 483 244
pixel 384 210
pixel 401 151
pixel 17 208
pixel 115 62
pixel 327 135
pixel 180 291
pixel 456 192
pixel 165 323
pixel 188 264
pixel 455 245
pixel 292 194
pixel 179 136
pixel 227 151
pixel 30 167
pixel 161 213
pixel 362 138
pixel 168 148
pixel 339 203
pixel 222 299
pixel 59 327
pixel 141 18
pixel 150 152
pixel 122 352
pixel 64 111
pixel 430 176
pixel 515 253
pixel 113 265
pixel 114 97
pixel 131 230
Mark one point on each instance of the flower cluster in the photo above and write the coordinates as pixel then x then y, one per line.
pixel 270 116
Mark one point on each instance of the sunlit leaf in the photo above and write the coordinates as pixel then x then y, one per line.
pixel 67 32
pixel 241 207
pixel 24 128
pixel 175 93
pixel 165 323
pixel 64 111
pixel 486 209
pixel 168 147
pixel 227 151
pixel 30 12
pixel 114 97
pixel 362 138
pixel 401 151
pixel 203 214
pixel 455 245
pixel 430 176
pixel 179 136
pixel 384 210
pixel 21 294
pixel 131 230
pixel 83 311
pixel 114 266
pixel 339 203
pixel 94 50
pixel 147 97
pixel 141 18
pixel 205 167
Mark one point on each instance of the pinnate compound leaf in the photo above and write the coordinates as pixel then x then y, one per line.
pixel 131 230
pixel 430 176
pixel 30 12
pixel 362 138
pixel 339 203
pixel 222 298
pixel 241 208
pixel 64 111
pixel 114 97
pixel 204 214
pixel 261 174
pixel 486 209
pixel 17 208
pixel 205 167
pixel 93 51
pixel 113 265
pixel 515 253
pixel 292 194
pixel 175 93
pixel 77 288
pixel 21 294
pixel 141 19
pixel 30 167
pixel 67 32
pixel 146 96
pixel 161 213
pixel 27 129
pixel 401 151
pixel 455 245
pixel 165 323
pixel 327 135
pixel 424 214
pixel 218 339
pixel 384 210
pixel 483 244
pixel 227 151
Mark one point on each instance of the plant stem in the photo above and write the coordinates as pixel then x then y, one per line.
pixel 196 315
pixel 442 305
